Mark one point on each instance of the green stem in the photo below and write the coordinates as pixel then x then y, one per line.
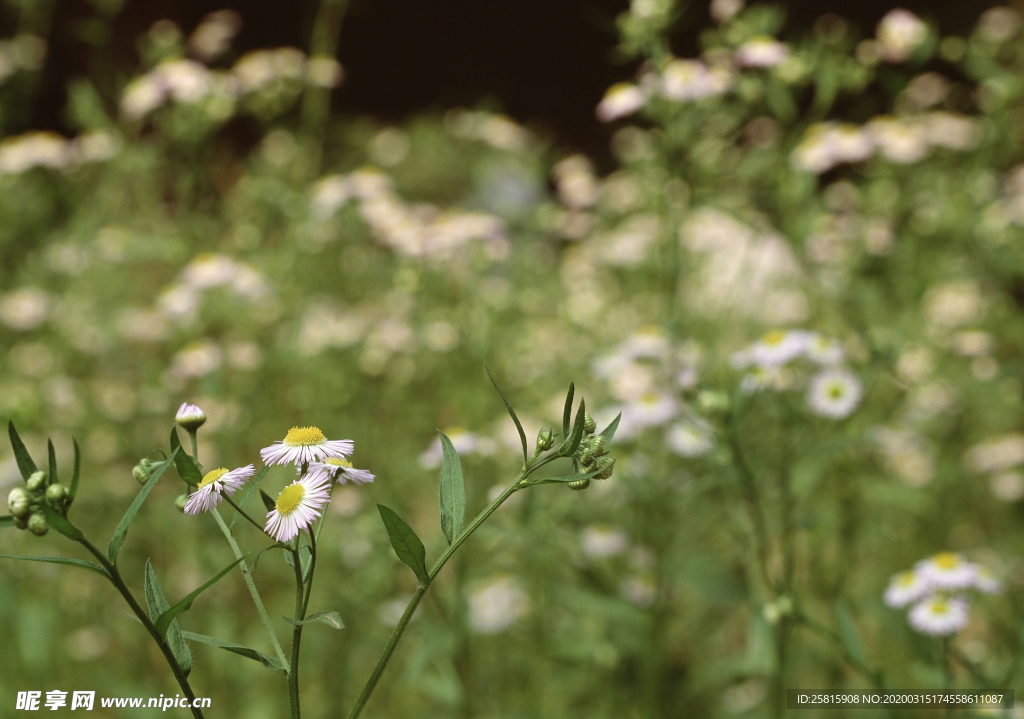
pixel 119 584
pixel 752 501
pixel 396 635
pixel 252 590
pixel 251 521
pixel 293 672
pixel 195 448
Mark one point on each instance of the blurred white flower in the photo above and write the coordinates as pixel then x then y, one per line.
pixel 25 308
pixel 213 36
pixel 142 96
pixel 464 442
pixel 761 51
pixel 600 542
pixel 725 10
pixel 690 439
pixel 324 71
pixel 496 605
pixel 649 410
pixel 621 100
pixel 939 616
pixel 259 68
pixel 906 588
pixel 954 304
pixel 179 302
pixel 996 454
pixel 972 343
pixel 823 350
pixel 575 181
pixel 947 571
pixel 197 359
pixel 639 590
pixel 834 393
pixel 34 149
pixel 778 347
pixel 899 33
pixel 208 270
pixel 985 581
pixel 952 131
pixel 689 80
pixel 999 24
pixel 330 194
pixel 828 144
pixel 900 140
pixel 1007 486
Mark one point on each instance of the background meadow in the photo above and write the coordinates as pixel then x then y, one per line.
pixel 796 271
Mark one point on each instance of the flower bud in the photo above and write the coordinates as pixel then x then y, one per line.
pixel 190 417
pixel 597 445
pixel 37 524
pixel 589 425
pixel 180 501
pixel 56 494
pixel 545 439
pixel 18 501
pixel 579 484
pixel 586 455
pixel 143 470
pixel 606 465
pixel 36 481
pixel 21 523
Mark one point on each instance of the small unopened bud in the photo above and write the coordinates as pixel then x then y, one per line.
pixel 589 425
pixel 21 523
pixel 55 495
pixel 586 455
pixel 37 524
pixel 597 445
pixel 579 484
pixel 545 439
pixel 190 417
pixel 180 501
pixel 607 465
pixel 36 481
pixel 143 470
pixel 18 501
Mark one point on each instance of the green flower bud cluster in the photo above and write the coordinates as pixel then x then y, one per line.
pixel 143 470
pixel 545 439
pixel 591 456
pixel 26 503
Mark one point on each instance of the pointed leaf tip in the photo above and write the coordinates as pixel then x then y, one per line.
pixel 406 544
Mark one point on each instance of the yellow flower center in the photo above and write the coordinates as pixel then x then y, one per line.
pixel 835 391
pixel 946 560
pixel 290 498
pixel 940 606
pixel 906 579
pixel 339 462
pixel 212 477
pixel 774 337
pixel 304 437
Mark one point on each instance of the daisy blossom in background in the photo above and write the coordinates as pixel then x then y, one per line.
pixel 939 616
pixel 690 439
pixel 834 393
pixel 778 347
pixel 823 351
pixel 340 470
pixel 305 444
pixel 297 507
pixel 948 571
pixel 207 495
pixel 984 581
pixel 905 588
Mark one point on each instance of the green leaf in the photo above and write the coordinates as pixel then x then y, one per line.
pixel 6 521
pixel 567 412
pixel 512 414
pixel 81 563
pixel 563 479
pixel 609 432
pixel 267 661
pixel 25 464
pixel 157 603
pixel 73 489
pixel 185 604
pixel 577 430
pixel 187 469
pixel 117 541
pixel 453 491
pixel 61 524
pixel 847 630
pixel 263 551
pixel 251 486
pixel 406 544
pixel 51 457
pixel 268 502
pixel 331 619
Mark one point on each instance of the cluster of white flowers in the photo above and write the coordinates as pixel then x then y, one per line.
pixel 25 308
pixel 499 131
pixel 833 391
pixel 48 149
pixel 899 34
pixel 207 271
pixel 320 462
pixel 420 230
pixel 935 587
pixel 901 140
pixel 1000 459
pixel 21 52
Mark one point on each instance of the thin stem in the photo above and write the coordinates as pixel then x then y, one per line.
pixel 872 675
pixel 165 649
pixel 752 501
pixel 195 448
pixel 312 569
pixel 242 512
pixel 396 635
pixel 293 672
pixel 252 590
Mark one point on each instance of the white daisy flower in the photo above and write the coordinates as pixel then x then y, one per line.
pixel 948 571
pixel 985 581
pixel 906 588
pixel 759 378
pixel 778 347
pixel 340 470
pixel 207 496
pixel 939 616
pixel 305 444
pixel 650 410
pixel 297 507
pixel 690 439
pixel 761 52
pixel 823 351
pixel 600 542
pixel 190 417
pixel 620 100
pixel 834 393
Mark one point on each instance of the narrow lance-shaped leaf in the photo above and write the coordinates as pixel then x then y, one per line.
pixel 577 430
pixel 51 457
pixel 25 464
pixel 567 411
pixel 187 469
pixel 117 541
pixel 157 603
pixel 511 412
pixel 563 479
pixel 268 501
pixel 453 491
pixel 73 489
pixel 267 661
pixel 330 618
pixel 185 604
pixel 406 544
pixel 847 630
pixel 61 524
pixel 609 432
pixel 80 563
